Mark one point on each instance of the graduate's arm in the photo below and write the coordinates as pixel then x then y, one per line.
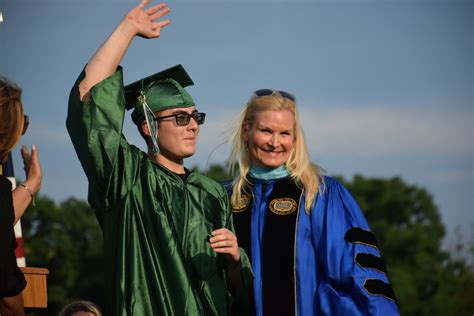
pixel 224 241
pixel 93 122
pixel 139 21
pixel 238 272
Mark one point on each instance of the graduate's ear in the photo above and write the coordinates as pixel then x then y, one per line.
pixel 145 128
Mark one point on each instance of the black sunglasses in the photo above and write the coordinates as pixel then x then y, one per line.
pixel 266 92
pixel 183 118
pixel 26 122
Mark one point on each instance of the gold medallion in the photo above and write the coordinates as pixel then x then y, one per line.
pixel 241 204
pixel 283 206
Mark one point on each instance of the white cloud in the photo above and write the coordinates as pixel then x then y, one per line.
pixel 385 131
pixel 371 131
pixel 366 132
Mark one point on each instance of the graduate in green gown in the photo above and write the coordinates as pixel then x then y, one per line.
pixel 168 234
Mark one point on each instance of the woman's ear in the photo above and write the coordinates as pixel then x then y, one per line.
pixel 245 129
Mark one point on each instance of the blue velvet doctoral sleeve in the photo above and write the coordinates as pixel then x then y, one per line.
pixel 352 279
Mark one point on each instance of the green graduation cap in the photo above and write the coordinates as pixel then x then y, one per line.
pixel 162 90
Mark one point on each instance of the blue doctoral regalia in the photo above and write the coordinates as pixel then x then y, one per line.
pixel 336 261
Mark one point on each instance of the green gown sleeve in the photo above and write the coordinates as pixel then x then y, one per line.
pixel 95 127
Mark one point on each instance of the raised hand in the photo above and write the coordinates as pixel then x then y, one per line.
pixel 138 22
pixel 224 241
pixel 25 192
pixel 32 168
pixel 144 19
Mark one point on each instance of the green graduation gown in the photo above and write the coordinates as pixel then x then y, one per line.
pixel 155 225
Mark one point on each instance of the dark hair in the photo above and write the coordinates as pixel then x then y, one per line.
pixel 11 116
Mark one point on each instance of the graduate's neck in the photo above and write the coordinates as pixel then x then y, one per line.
pixel 173 164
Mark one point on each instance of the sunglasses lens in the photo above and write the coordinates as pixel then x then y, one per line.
pixel 287 95
pixel 263 92
pixel 26 122
pixel 183 119
pixel 199 117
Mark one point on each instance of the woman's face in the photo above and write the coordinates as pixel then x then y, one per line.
pixel 270 138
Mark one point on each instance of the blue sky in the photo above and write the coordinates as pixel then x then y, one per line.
pixel 385 88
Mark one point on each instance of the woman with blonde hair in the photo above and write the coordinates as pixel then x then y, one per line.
pixel 13 124
pixel 310 246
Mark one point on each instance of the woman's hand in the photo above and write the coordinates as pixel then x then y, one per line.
pixel 32 168
pixel 143 20
pixel 25 192
pixel 224 241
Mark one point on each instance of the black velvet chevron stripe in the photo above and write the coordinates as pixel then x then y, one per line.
pixel 370 261
pixel 378 287
pixel 358 235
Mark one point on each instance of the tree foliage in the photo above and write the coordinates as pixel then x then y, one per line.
pixel 217 172
pixel 66 239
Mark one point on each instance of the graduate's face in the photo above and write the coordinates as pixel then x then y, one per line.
pixel 177 142
pixel 270 138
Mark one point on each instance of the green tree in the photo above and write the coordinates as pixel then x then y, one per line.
pixel 216 171
pixel 67 240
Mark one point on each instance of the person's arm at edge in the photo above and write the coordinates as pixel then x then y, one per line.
pixel 25 192
pixel 12 305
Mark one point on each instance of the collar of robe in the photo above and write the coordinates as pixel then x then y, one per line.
pixel 262 173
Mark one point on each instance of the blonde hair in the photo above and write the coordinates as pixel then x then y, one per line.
pixel 307 175
pixel 11 116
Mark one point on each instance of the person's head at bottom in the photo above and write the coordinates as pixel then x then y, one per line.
pixel 80 308
pixel 166 116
